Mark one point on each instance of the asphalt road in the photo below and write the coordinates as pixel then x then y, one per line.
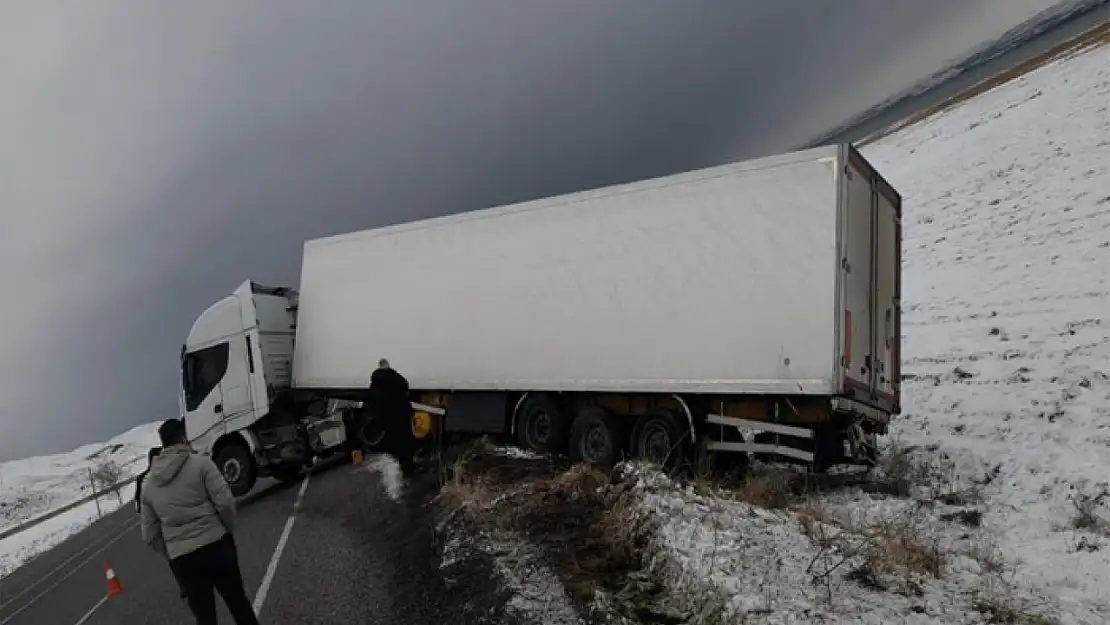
pixel 351 555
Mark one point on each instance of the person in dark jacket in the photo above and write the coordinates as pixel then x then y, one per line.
pixel 389 399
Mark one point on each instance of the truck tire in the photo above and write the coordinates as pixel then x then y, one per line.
pixel 540 424
pixel 659 437
pixel 237 466
pixel 596 438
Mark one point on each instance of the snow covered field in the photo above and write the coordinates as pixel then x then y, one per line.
pixel 1006 391
pixel 1007 307
pixel 1005 435
pixel 1006 395
pixel 32 487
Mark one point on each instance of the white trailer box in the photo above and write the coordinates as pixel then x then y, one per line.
pixel 772 276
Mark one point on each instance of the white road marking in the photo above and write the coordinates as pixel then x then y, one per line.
pixel 67 576
pixel 91 610
pixel 42 579
pixel 268 578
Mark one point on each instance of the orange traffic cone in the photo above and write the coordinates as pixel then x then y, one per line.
pixel 114 587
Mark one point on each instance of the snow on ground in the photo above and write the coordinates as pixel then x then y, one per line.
pixel 732 561
pixel 22 547
pixel 387 469
pixel 1006 317
pixel 536 593
pixel 1006 392
pixel 32 487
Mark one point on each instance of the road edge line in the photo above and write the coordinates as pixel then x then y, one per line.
pixel 63 578
pixel 271 569
pixel 91 610
pixel 126 525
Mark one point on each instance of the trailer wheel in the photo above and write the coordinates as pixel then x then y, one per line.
pixel 659 438
pixel 595 437
pixel 237 466
pixel 540 424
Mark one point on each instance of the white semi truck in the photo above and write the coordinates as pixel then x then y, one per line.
pixel 749 308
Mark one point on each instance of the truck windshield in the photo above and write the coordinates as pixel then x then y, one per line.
pixel 201 371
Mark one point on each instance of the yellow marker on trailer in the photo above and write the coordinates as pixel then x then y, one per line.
pixel 421 424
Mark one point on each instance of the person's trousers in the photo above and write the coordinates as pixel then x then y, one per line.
pixel 401 445
pixel 212 568
pixel 177 578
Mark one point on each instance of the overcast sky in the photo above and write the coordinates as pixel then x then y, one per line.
pixel 155 154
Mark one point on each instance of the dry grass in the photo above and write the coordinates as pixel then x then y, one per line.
pixel 904 545
pixel 768 489
pixel 468 492
pixel 903 471
pixel 895 554
pixel 1087 516
pixel 1093 38
pixel 589 533
pixel 998 598
pixel 1005 607
pixel 988 553
pixel 913 473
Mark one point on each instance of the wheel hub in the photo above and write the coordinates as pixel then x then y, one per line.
pixel 232 470
pixel 539 428
pixel 595 443
pixel 656 443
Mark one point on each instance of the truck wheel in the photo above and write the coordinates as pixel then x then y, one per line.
pixel 595 437
pixel 237 465
pixel 540 424
pixel 286 472
pixel 659 438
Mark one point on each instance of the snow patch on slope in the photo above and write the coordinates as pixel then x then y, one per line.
pixel 1007 307
pixel 32 487
pixel 1006 392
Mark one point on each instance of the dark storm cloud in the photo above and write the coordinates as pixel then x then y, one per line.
pixel 155 156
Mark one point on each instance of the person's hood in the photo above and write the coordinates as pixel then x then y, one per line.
pixel 167 465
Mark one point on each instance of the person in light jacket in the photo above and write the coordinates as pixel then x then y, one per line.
pixel 188 516
pixel 150 456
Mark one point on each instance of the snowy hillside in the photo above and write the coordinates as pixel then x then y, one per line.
pixel 32 487
pixel 1007 306
pixel 1006 394
pixel 988 508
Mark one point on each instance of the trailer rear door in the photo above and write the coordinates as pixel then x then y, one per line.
pixel 870 268
pixel 888 287
pixel 857 266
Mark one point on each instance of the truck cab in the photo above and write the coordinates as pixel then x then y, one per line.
pixel 236 395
